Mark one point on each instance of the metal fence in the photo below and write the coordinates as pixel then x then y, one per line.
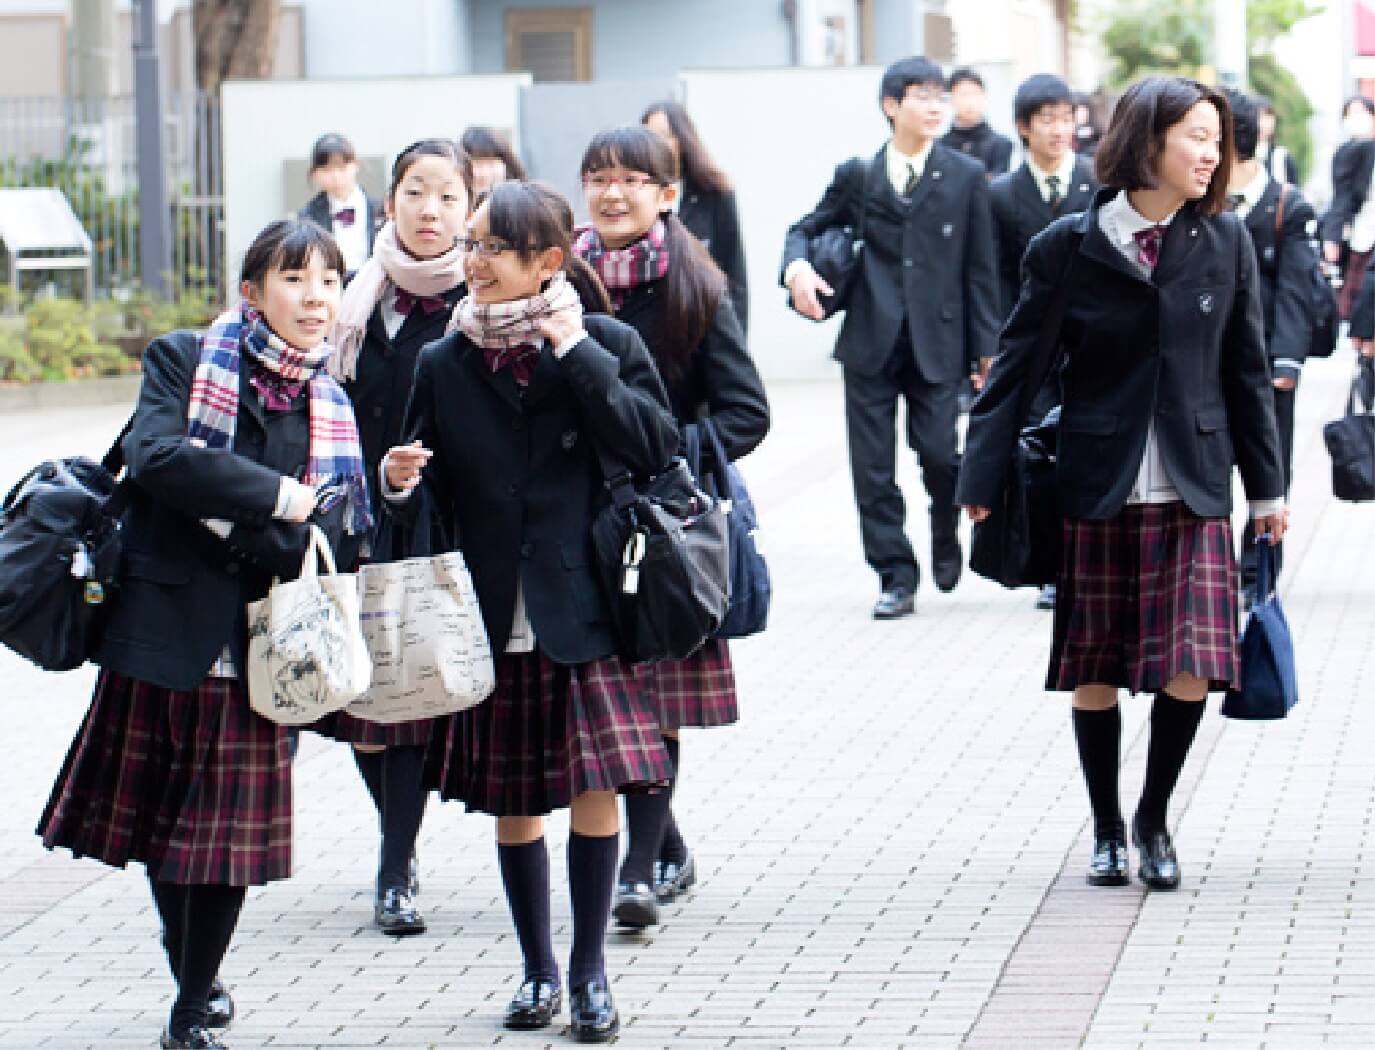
pixel 87 150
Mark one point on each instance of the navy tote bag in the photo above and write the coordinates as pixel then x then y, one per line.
pixel 1269 685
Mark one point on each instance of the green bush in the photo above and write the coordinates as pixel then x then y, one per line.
pixel 56 339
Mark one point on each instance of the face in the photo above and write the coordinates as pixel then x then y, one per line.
pixel 338 178
pixel 299 305
pixel 658 123
pixel 624 204
pixel 495 271
pixel 429 206
pixel 1191 153
pixel 1266 124
pixel 967 100
pixel 1049 133
pixel 487 172
pixel 920 112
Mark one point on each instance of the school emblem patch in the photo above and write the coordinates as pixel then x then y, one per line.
pixel 1205 302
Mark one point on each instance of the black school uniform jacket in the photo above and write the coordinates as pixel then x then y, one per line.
pixel 317 211
pixel 928 262
pixel 1352 166
pixel 516 478
pixel 1020 213
pixel 1287 264
pixel 182 590
pixel 719 382
pixel 1183 348
pixel 713 218
pixel 985 145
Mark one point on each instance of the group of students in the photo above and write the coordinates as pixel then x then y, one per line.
pixel 470 366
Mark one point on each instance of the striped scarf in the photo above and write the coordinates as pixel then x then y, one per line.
pixel 622 269
pixel 505 326
pixel 335 457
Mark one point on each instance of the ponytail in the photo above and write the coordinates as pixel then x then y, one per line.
pixel 588 285
pixel 693 288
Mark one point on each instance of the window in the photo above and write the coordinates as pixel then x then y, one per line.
pixel 553 43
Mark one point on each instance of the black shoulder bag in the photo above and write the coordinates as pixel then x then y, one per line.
pixel 835 253
pixel 1322 300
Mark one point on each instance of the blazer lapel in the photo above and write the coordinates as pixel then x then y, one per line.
pixel 1079 194
pixel 502 382
pixel 930 178
pixel 1095 243
pixel 1181 238
pixel 1029 198
pixel 544 377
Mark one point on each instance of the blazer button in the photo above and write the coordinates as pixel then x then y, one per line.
pixel 527 549
pixel 377 411
pixel 232 568
pixel 513 489
pixel 908 263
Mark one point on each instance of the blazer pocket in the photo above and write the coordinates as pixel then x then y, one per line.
pixel 1085 460
pixel 154 569
pixel 1211 420
pixel 1090 424
pixel 1214 446
pixel 580 577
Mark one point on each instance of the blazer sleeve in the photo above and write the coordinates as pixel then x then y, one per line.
pixel 1347 192
pixel 730 249
pixel 837 207
pixel 1293 329
pixel 1005 235
pixel 1000 155
pixel 981 294
pixel 418 425
pixel 1363 308
pixel 1245 376
pixel 198 482
pixel 735 398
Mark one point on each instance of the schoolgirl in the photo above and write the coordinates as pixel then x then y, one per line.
pixel 237 437
pixel 341 205
pixel 705 200
pixel 401 299
pixel 1164 384
pixel 493 158
pixel 507 414
pixel 664 285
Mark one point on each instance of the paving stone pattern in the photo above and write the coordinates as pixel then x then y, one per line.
pixel 891 841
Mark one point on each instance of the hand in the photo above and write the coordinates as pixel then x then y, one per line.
pixel 1273 525
pixel 300 500
pixel 1364 347
pixel 980 377
pixel 559 327
pixel 806 286
pixel 977 514
pixel 403 465
pixel 1284 382
pixel 1331 251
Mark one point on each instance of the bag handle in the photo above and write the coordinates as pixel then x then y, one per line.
pixel 317 551
pixel 1048 341
pixel 703 439
pixel 1265 568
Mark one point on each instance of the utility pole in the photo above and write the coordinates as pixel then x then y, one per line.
pixel 1229 43
pixel 154 233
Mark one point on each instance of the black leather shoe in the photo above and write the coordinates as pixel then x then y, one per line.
pixel 635 905
pixel 947 562
pixel 672 878
pixel 592 1012
pixel 195 1038
pixel 1109 864
pixel 395 914
pixel 1046 599
pixel 1159 865
pixel 221 1006
pixel 894 602
pixel 536 1003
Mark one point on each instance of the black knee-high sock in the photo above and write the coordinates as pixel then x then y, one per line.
pixel 646 819
pixel 672 848
pixel 591 881
pixel 403 809
pixel 525 876
pixel 1173 726
pixel 1099 736
pixel 370 765
pixel 171 901
pixel 212 912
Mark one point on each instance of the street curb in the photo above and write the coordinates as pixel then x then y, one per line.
pixel 80 393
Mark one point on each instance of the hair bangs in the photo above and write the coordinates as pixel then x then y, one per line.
pixel 633 147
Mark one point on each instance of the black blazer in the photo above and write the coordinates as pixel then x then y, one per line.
pixel 985 145
pixel 1290 172
pixel 720 380
pixel 182 590
pixel 1352 166
pixel 516 478
pixel 317 211
pixel 1020 213
pixel 928 262
pixel 714 219
pixel 1286 275
pixel 1184 348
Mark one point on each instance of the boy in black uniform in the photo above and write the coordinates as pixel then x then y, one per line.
pixel 969 132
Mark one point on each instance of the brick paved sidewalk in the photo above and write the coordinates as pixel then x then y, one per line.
pixel 891 840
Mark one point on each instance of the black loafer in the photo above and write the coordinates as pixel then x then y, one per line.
pixel 1159 865
pixel 1046 599
pixel 894 602
pixel 672 878
pixel 221 1006
pixel 1109 864
pixel 195 1038
pixel 396 914
pixel 947 562
pixel 592 1013
pixel 635 905
pixel 535 1004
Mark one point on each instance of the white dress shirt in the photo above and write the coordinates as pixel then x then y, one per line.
pixel 1363 225
pixel 902 166
pixel 1253 191
pixel 353 240
pixel 1065 173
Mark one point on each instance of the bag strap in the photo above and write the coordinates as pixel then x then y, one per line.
pixel 859 186
pixel 619 481
pixel 1265 569
pixel 113 461
pixel 1048 342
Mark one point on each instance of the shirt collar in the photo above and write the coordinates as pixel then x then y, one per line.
pixel 1254 190
pixel 1124 221
pixel 1065 172
pixel 353 200
pixel 898 161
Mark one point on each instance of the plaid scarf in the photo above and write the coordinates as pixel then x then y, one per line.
pixel 622 269
pixel 336 456
pixel 505 326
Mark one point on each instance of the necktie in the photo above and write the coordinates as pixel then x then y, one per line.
pixel 406 302
pixel 1234 200
pixel 1148 245
pixel 345 216
pixel 912 179
pixel 521 360
pixel 1056 197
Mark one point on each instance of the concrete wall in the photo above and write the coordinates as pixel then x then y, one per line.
pixel 353 38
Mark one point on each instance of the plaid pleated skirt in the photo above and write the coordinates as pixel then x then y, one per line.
pixel 698 691
pixel 343 727
pixel 195 785
pixel 549 733
pixel 1143 597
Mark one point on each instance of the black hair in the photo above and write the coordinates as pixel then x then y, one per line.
pixel 694 284
pixel 481 142
pixel 330 147
pixel 1263 103
pixel 1364 102
pixel 1245 123
pixel 1036 92
pixel 909 72
pixel 445 148
pixel 288 244
pixel 694 162
pixel 534 217
pixel 964 75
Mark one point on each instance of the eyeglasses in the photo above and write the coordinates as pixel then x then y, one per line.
pixel 600 183
pixel 926 95
pixel 485 247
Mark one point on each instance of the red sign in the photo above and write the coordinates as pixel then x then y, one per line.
pixel 1365 26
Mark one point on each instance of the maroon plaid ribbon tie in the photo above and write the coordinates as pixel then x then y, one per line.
pixel 1148 243
pixel 406 302
pixel 521 360
pixel 345 216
